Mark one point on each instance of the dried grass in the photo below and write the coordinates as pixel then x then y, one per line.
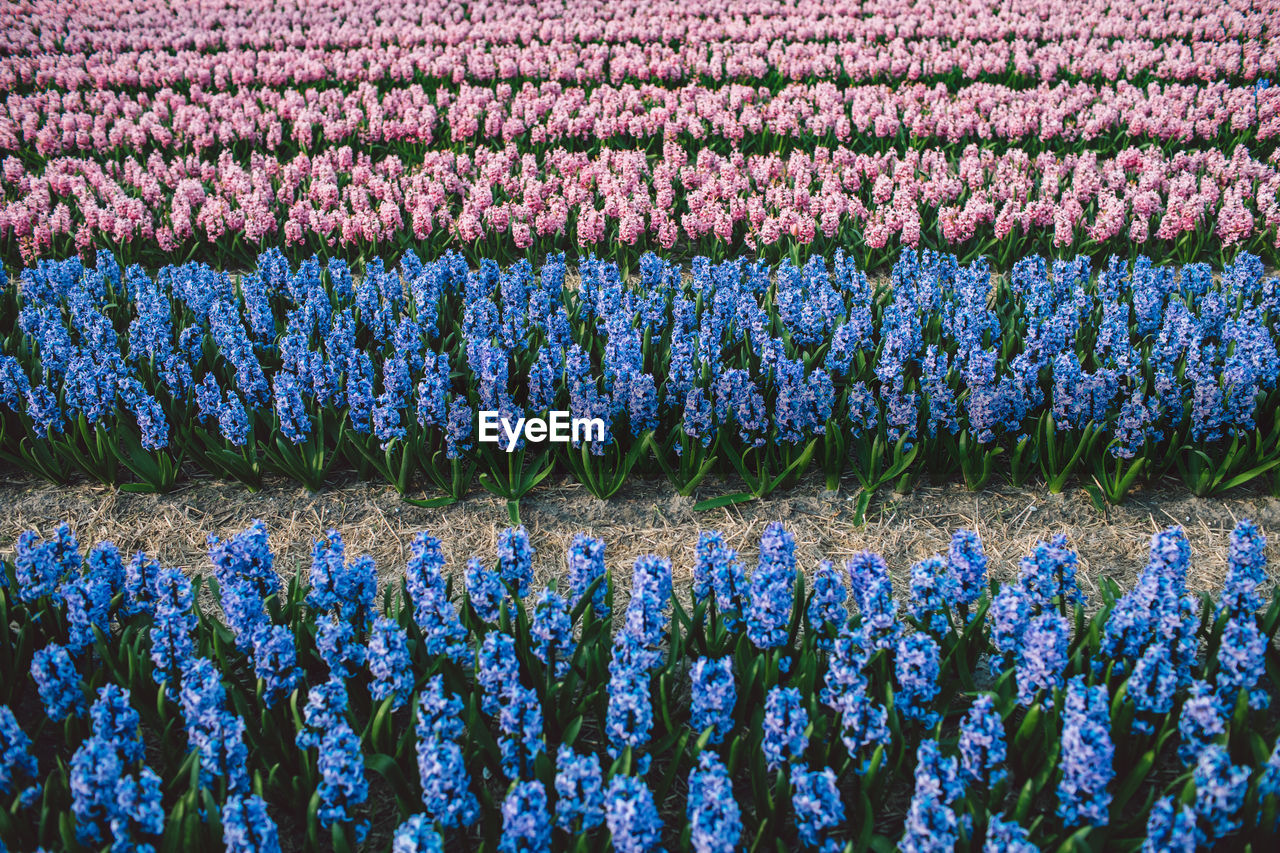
pixel 646 517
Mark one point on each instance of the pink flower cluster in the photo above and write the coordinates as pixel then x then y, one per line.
pixel 337 196
pixel 150 44
pixel 549 113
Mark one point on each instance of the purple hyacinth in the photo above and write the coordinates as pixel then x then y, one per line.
pixel 982 744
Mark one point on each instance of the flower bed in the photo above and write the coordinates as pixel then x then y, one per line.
pixel 143 707
pixel 1104 377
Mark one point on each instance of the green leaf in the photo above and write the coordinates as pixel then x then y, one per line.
pixel 723 500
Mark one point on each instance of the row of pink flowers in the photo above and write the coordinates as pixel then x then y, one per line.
pixel 101 121
pixel 339 196
pixel 88 26
pixel 859 60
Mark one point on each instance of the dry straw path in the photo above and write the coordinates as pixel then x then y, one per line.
pixel 644 518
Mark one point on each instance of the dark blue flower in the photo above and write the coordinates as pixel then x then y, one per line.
pixel 446 785
pixel 1042 657
pixel 173 633
pixel 1007 836
pixel 18 768
pixel 343 787
pixel 57 682
pixel 348 589
pixel 484 590
pixel 826 612
pixel 515 559
pixel 966 568
pixel 275 661
pixel 342 652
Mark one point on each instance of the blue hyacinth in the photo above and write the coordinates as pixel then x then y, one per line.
pixel 343 787
pixel 552 632
pixel 818 808
pixel 40 565
pixel 1246 572
pixel 916 667
pixel 1242 663
pixel 141 585
pixel 931 595
pixel 966 568
pixel 446 785
pixel 19 772
pixel 632 817
pixel 712 697
pixel 1007 836
pixel 57 682
pixel 115 721
pixel 1042 658
pixel 982 744
pixel 520 735
pixel 1221 787
pixel 1010 614
pixel 246 826
pixel 498 669
pixel 484 590
pixel 389 663
pixel 1171 828
pixel 211 728
pixel 864 724
pixel 275 662
pixel 416 835
pixel 1048 574
pixel 338 647
pixel 785 724
pixel 715 820
pixel 585 559
pixel 826 612
pixel 515 559
pixel 325 710
pixel 173 633
pixel 1086 755
pixel 579 790
pixel 772 589
pixel 526 825
pixel 719 565
pixel 347 589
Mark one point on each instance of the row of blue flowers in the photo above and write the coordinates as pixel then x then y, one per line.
pixel 147 709
pixel 1105 377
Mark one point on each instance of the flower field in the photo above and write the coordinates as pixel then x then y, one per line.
pixel 761 711
pixel 760 244
pixel 367 129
